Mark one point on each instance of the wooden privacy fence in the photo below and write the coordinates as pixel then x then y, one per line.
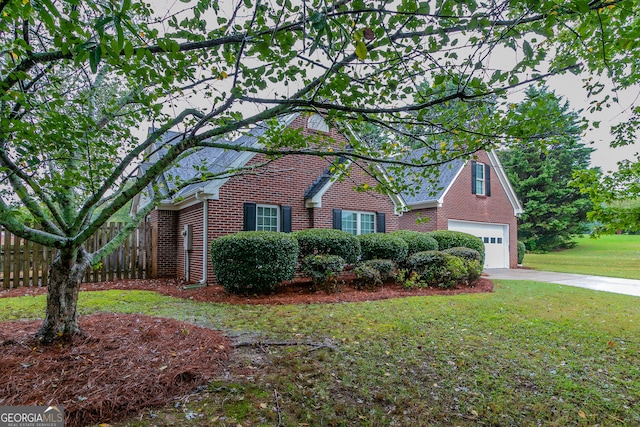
pixel 24 263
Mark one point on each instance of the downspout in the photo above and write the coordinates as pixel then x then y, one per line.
pixel 205 234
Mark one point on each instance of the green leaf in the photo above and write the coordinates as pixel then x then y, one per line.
pixel 120 32
pixel 583 6
pixel 361 50
pixel 94 58
pixel 50 7
pixel 128 49
pixel 528 50
pixel 126 5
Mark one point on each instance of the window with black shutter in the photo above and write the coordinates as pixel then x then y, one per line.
pixel 480 179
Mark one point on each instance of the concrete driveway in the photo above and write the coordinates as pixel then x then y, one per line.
pixel 597 283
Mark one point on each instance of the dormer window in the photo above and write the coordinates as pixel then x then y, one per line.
pixel 316 122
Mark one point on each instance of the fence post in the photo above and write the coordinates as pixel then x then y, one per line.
pixel 6 264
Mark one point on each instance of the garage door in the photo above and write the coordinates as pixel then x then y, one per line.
pixel 494 236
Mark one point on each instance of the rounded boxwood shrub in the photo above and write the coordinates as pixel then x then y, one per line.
pixel 322 269
pixel 449 239
pixel 254 262
pixel 327 241
pixel 471 259
pixel 368 277
pixel 465 253
pixel 474 270
pixel 383 246
pixel 437 268
pixel 385 267
pixel 522 250
pixel 417 241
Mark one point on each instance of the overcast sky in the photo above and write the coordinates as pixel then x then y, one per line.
pixel 570 87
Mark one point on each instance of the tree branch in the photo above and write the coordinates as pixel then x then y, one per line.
pixel 122 166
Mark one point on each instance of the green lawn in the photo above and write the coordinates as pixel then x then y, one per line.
pixel 613 256
pixel 527 354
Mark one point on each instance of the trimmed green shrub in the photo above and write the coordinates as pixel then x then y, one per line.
pixel 437 268
pixel 417 241
pixel 464 253
pixel 522 250
pixel 368 277
pixel 322 269
pixel 474 270
pixel 383 246
pixel 385 267
pixel 449 239
pixel 254 262
pixel 327 241
pixel 471 259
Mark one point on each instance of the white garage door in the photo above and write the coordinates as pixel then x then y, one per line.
pixel 495 238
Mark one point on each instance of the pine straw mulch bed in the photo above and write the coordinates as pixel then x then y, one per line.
pixel 126 363
pixel 123 364
pixel 295 292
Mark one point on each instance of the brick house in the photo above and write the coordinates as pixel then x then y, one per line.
pixel 297 192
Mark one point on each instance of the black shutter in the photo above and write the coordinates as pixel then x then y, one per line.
pixel 473 177
pixel 380 223
pixel 337 219
pixel 487 180
pixel 285 219
pixel 249 217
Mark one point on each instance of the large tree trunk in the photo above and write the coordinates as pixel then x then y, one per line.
pixel 67 270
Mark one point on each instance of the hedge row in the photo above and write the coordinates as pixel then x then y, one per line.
pixel 255 262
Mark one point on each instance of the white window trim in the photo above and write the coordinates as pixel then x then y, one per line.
pixel 359 220
pixel 483 188
pixel 276 207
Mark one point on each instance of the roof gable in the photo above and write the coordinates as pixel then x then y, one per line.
pixel 432 194
pixel 428 196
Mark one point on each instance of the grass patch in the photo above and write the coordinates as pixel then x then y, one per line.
pixel 611 255
pixel 528 354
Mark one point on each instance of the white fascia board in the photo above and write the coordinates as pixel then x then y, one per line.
pixel 427 205
pixel 504 180
pixel 446 190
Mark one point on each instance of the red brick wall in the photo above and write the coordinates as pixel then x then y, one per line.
pixel 191 215
pixel 419 220
pixel 342 196
pixel 164 224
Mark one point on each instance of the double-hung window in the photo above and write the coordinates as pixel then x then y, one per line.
pixel 267 218
pixel 358 222
pixel 479 178
pixel 480 183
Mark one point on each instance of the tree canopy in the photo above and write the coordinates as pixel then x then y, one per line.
pixel 555 212
pixel 78 80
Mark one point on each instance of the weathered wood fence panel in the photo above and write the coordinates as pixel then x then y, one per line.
pixel 24 263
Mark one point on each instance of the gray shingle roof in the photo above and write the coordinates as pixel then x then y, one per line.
pixel 431 193
pixel 213 160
